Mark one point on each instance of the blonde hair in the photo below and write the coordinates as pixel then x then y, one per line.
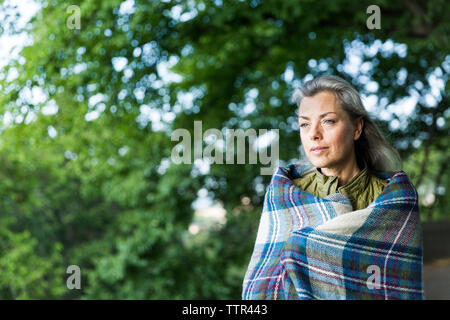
pixel 371 146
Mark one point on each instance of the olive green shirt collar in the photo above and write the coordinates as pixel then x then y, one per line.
pixel 331 182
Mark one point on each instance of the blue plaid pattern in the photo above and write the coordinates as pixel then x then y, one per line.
pixel 320 248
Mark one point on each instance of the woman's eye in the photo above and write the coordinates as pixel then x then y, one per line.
pixel 303 125
pixel 330 121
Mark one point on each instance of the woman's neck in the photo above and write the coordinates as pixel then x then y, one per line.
pixel 344 173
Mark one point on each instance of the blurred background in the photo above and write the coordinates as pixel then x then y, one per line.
pixel 90 92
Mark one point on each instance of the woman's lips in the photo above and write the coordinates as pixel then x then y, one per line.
pixel 317 151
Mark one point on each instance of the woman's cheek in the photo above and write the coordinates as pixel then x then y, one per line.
pixel 340 136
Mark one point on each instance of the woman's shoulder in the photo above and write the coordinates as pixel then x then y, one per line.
pixel 297 170
pixel 377 182
pixel 307 179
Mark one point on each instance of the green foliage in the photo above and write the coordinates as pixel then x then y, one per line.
pixel 102 194
pixel 26 274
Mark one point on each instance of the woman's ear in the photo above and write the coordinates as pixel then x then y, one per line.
pixel 358 128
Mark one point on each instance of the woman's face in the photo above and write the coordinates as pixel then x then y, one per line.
pixel 323 123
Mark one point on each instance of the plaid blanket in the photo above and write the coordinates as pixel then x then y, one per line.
pixel 319 248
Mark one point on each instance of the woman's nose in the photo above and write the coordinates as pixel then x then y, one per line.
pixel 314 133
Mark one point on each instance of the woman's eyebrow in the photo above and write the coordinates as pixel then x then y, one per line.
pixel 321 116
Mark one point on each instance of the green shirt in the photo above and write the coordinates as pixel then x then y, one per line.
pixel 362 190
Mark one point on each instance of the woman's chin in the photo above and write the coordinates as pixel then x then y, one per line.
pixel 318 163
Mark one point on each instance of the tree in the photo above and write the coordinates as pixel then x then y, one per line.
pixel 92 183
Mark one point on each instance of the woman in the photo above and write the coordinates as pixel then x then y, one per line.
pixel 344 224
pixel 342 142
